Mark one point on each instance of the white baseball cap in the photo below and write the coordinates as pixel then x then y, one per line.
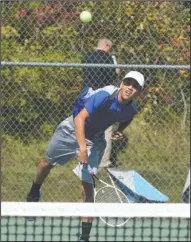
pixel 137 76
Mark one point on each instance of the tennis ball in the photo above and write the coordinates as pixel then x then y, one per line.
pixel 85 17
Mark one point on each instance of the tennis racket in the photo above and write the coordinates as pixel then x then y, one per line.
pixel 109 194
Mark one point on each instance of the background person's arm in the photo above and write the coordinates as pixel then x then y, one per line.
pixel 118 134
pixel 122 126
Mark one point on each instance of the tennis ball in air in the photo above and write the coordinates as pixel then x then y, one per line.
pixel 85 17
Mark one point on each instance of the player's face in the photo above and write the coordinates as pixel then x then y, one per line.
pixel 130 89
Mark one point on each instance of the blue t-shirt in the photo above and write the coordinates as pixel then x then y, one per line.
pixel 104 109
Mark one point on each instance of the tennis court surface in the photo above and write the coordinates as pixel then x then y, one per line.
pixel 61 221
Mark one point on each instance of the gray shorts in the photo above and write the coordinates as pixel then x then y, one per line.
pixel 64 147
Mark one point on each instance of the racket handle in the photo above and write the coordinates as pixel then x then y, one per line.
pixel 95 176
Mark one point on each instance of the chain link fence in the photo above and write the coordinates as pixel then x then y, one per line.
pixel 43 43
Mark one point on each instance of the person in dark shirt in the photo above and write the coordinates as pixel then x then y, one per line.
pixel 98 77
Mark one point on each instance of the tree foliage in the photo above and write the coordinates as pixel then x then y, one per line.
pixel 142 33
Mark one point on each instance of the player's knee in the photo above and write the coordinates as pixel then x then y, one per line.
pixel 45 165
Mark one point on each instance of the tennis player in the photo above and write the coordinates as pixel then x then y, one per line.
pixel 82 134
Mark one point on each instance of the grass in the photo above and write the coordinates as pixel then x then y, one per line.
pixel 161 156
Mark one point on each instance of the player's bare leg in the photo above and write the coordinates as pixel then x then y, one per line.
pixel 43 170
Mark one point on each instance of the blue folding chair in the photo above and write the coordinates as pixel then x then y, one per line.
pixel 136 188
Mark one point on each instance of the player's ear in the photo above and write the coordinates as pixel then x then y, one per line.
pixel 121 85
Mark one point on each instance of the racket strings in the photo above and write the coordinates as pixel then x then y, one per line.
pixel 110 195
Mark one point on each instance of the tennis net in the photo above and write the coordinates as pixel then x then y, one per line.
pixel 61 221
